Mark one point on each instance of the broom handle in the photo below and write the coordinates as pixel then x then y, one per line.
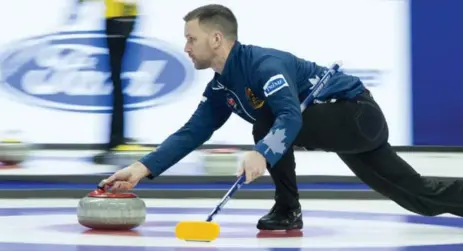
pixel 227 196
pixel 319 86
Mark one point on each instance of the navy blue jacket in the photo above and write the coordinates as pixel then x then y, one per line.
pixel 253 77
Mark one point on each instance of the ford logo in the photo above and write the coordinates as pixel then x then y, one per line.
pixel 70 71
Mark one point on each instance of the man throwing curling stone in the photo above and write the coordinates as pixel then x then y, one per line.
pixel 267 86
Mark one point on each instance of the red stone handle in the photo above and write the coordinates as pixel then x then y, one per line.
pixel 100 192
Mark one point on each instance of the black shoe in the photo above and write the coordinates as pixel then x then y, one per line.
pixel 281 219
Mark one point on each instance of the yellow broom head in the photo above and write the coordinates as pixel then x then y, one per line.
pixel 197 231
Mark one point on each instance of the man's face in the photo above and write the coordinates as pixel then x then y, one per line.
pixel 198 45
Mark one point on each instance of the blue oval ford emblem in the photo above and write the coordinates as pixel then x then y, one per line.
pixel 70 71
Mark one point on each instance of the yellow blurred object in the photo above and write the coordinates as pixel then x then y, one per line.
pixel 10 141
pixel 119 8
pixel 133 148
pixel 197 231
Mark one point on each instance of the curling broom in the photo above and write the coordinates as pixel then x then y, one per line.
pixel 207 231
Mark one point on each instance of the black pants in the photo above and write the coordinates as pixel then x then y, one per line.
pixel 118 31
pixel 357 131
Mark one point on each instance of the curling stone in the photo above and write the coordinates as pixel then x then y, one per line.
pixel 13 152
pixel 123 155
pixel 221 161
pixel 101 210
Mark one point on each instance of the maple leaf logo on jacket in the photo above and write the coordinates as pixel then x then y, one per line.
pixel 275 141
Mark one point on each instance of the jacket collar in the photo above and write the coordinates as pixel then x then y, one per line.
pixel 232 59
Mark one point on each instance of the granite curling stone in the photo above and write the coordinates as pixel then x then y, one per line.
pixel 122 155
pixel 222 161
pixel 13 152
pixel 101 210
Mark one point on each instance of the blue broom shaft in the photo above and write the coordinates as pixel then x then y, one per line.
pixel 227 196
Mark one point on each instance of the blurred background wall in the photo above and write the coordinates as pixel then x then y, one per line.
pixel 55 85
